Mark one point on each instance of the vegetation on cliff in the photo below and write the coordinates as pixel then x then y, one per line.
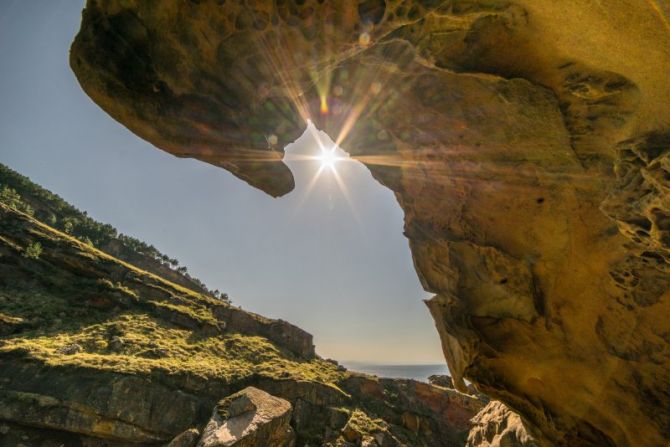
pixel 19 192
pixel 75 305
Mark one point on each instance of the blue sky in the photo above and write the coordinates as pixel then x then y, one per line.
pixel 341 269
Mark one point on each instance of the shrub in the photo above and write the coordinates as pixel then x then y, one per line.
pixel 33 250
pixel 10 197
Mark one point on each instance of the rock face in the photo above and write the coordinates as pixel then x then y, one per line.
pixel 498 426
pixel 441 380
pixel 525 140
pixel 249 418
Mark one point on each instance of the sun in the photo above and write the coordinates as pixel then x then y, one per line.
pixel 328 158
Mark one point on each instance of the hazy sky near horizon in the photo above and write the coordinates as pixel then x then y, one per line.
pixel 341 269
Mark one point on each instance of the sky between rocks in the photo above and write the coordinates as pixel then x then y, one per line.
pixel 341 269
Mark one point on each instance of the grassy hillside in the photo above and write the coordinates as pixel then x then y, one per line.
pixel 115 316
pixel 19 192
pixel 96 351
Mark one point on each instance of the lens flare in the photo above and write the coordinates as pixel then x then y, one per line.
pixel 328 158
pixel 324 105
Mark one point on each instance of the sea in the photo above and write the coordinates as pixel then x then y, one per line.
pixel 416 372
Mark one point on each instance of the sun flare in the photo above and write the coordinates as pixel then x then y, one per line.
pixel 328 158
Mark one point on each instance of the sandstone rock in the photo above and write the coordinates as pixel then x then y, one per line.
pixel 498 426
pixel 118 417
pixel 279 331
pixel 250 418
pixel 525 140
pixel 188 438
pixel 440 416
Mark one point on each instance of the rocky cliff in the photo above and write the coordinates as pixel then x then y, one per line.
pixel 528 143
pixel 95 352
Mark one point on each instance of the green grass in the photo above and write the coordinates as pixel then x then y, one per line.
pixel 363 423
pixel 75 294
pixel 150 344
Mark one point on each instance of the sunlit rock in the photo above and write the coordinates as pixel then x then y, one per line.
pixel 250 417
pixel 498 426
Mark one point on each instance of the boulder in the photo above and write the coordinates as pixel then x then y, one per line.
pixel 498 426
pixel 249 418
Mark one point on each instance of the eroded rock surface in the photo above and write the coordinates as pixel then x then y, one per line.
pixel 498 426
pixel 526 141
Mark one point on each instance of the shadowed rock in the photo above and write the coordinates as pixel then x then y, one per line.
pixel 188 438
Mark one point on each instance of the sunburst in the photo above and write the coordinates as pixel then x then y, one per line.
pixel 328 158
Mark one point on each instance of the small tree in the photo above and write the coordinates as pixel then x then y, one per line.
pixel 10 197
pixel 33 250
pixel 28 209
